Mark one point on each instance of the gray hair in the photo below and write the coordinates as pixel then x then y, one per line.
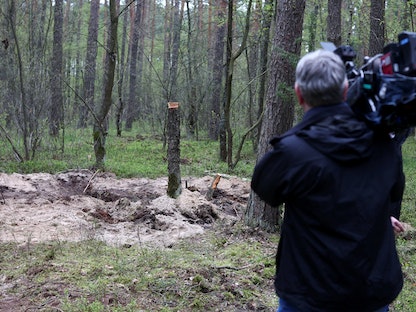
pixel 321 78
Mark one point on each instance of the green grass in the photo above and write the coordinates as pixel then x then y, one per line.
pixel 126 156
pixel 406 301
pixel 202 275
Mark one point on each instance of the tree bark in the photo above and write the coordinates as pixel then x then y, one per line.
pixel 313 23
pixel 376 27
pixel 217 70
pixel 134 47
pixel 100 124
pixel 173 152
pixel 90 64
pixel 231 59
pixel 78 75
pixel 120 108
pixel 176 32
pixel 24 124
pixel 56 107
pixel 279 111
pixel 191 94
pixel 264 57
pixel 333 22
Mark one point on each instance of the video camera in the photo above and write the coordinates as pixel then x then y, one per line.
pixel 383 91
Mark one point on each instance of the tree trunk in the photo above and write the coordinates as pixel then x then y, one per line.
pixel 90 64
pixel 78 75
pixel 57 101
pixel 225 135
pixel 140 106
pixel 191 94
pixel 176 38
pixel 149 96
pixel 312 23
pixel 100 124
pixel 217 70
pixel 173 22
pixel 167 49
pixel 279 111
pixel 252 60
pixel 333 22
pixel 22 110
pixel 134 47
pixel 376 27
pixel 120 108
pixel 173 153
pixel 229 70
pixel 264 53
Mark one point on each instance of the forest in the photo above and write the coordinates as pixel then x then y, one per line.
pixel 114 65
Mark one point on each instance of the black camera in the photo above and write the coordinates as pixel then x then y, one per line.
pixel 383 90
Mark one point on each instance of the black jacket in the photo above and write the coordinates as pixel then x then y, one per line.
pixel 339 181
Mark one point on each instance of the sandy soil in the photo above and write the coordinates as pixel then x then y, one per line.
pixel 79 205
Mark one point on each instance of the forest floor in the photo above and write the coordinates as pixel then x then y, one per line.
pixel 81 204
pixel 216 264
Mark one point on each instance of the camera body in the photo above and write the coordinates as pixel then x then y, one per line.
pixel 383 91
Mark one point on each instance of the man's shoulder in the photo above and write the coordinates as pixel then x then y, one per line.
pixel 293 146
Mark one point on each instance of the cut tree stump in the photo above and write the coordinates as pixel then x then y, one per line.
pixel 173 152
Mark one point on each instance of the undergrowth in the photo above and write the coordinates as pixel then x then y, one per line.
pixel 227 270
pixel 127 156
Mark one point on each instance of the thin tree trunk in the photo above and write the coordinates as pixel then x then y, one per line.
pixel 264 53
pixel 23 105
pixel 176 29
pixel 252 60
pixel 140 59
pixel 231 58
pixel 311 24
pixel 217 70
pixel 134 46
pixel 191 94
pixel 100 125
pixel 56 107
pixel 78 76
pixel 120 108
pixel 90 64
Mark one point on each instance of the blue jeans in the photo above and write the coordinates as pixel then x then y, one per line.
pixel 284 306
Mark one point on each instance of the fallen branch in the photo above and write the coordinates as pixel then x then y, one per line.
pixel 17 155
pixel 89 182
pixel 227 267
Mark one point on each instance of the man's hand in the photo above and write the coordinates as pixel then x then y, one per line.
pixel 397 225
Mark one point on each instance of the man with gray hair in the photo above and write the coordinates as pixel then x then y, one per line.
pixel 339 181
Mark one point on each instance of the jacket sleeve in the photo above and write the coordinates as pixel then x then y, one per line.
pixel 397 194
pixel 268 180
pixel 398 188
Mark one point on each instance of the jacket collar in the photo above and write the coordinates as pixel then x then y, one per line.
pixel 314 115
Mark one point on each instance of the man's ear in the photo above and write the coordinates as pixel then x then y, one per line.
pixel 345 90
pixel 299 94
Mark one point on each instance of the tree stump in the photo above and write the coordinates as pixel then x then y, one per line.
pixel 173 153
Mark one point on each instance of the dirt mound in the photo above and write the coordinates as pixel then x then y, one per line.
pixel 79 205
